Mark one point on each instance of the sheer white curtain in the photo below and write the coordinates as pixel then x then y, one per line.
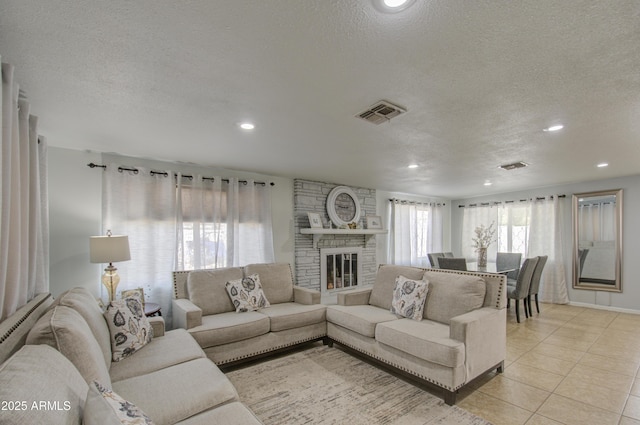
pixel 24 222
pixel 143 206
pixel 532 228
pixel 223 223
pixel 415 230
pixel 199 223
pixel 546 237
pixel 472 218
pixel 597 221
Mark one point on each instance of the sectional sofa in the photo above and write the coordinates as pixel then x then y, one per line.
pixel 202 306
pixel 462 334
pixel 51 352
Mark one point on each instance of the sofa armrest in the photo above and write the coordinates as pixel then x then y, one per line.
pixel 354 297
pixel 157 324
pixel 484 333
pixel 305 295
pixel 186 314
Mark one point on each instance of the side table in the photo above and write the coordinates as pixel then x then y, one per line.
pixel 152 309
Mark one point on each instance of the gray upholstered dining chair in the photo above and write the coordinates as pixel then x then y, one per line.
pixel 433 259
pixel 509 260
pixel 535 283
pixel 452 263
pixel 520 291
pixel 448 254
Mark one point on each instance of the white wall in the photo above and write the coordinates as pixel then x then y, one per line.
pixel 75 212
pixel 629 299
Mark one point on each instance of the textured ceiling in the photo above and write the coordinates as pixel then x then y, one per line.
pixel 479 79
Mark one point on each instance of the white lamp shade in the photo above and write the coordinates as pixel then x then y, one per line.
pixel 109 249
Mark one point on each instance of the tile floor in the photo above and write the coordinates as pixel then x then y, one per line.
pixel 567 365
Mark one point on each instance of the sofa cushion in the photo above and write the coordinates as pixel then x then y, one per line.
pixel 246 294
pixel 175 347
pixel 38 373
pixel 385 282
pixel 129 327
pixel 207 289
pixel 452 294
pixel 223 328
pixel 409 297
pixel 234 413
pixel 81 300
pixel 276 279
pixel 426 340
pixel 64 329
pixel 104 407
pixel 293 315
pixel 359 318
pixel 178 392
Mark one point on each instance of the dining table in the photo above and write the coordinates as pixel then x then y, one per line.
pixel 489 268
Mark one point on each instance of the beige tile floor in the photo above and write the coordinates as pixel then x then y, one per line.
pixel 566 365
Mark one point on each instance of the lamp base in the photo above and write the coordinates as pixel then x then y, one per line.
pixel 110 280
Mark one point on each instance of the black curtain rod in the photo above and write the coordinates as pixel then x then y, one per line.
pixel 402 201
pixel 486 204
pixel 165 174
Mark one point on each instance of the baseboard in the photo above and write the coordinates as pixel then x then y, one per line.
pixel 604 307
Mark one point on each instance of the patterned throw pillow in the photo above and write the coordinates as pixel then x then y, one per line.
pixel 409 297
pixel 104 407
pixel 129 327
pixel 247 294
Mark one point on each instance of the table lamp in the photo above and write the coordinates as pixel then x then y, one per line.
pixel 109 249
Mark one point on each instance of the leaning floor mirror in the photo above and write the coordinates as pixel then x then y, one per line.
pixel 597 240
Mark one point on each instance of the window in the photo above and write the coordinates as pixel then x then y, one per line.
pixel 415 229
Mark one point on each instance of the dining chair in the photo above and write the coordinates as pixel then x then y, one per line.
pixel 453 263
pixel 509 260
pixel 535 283
pixel 520 291
pixel 448 255
pixel 433 259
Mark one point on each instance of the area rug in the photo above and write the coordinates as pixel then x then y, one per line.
pixel 322 385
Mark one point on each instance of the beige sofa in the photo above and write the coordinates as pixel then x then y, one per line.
pixel 462 334
pixel 202 306
pixel 68 348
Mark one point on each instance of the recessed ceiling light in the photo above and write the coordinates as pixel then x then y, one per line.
pixel 488 183
pixel 394 3
pixel 413 166
pixel 557 127
pixel 602 165
pixel 392 6
pixel 247 126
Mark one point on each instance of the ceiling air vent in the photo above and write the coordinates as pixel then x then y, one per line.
pixel 381 112
pixel 513 166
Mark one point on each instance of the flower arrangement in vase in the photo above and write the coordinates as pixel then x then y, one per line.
pixel 484 238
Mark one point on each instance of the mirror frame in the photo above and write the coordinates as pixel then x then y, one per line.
pixel 594 286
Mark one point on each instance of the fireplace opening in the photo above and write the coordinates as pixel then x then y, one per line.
pixel 340 270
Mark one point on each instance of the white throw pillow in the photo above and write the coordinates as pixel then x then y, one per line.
pixel 247 294
pixel 129 327
pixel 104 407
pixel 409 297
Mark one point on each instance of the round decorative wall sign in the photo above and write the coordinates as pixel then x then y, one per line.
pixel 343 206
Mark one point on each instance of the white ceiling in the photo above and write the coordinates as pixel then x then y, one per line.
pixel 480 80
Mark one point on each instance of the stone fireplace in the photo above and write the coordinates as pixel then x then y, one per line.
pixel 311 196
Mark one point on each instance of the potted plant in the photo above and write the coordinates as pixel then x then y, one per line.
pixel 484 237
